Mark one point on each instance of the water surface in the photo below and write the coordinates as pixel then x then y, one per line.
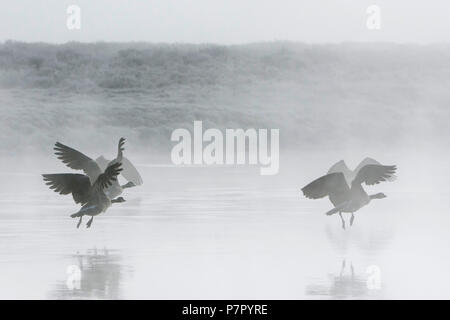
pixel 215 233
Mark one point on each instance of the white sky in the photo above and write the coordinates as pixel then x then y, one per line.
pixel 225 21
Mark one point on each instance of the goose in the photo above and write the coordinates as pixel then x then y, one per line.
pixel 87 189
pixel 349 175
pixel 92 197
pixel 93 168
pixel 347 198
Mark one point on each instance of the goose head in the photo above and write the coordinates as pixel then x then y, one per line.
pixel 379 195
pixel 118 200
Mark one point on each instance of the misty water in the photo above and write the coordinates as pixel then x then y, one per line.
pixel 226 232
pixel 211 233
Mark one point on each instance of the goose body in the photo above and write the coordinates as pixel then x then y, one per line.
pixel 345 197
pixel 87 189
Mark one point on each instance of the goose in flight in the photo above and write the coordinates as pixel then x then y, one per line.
pixel 84 189
pixel 93 168
pixel 347 198
pixel 349 175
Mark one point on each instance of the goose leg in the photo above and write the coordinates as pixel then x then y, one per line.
pixel 79 222
pixel 352 219
pixel 353 270
pixel 88 224
pixel 342 269
pixel 343 221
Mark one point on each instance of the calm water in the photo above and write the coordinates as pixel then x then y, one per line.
pixel 212 233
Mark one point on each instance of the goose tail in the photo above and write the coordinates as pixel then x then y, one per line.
pixel 332 211
pixel 76 214
pixel 336 209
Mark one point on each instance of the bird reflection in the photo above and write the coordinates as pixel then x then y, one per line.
pixel 101 273
pixel 369 240
pixel 346 284
pixel 350 282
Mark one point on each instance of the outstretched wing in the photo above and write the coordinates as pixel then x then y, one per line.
pixel 120 149
pixel 339 166
pixel 102 162
pixel 365 162
pixel 66 183
pixel 333 185
pixel 374 173
pixel 106 178
pixel 77 160
pixel 129 171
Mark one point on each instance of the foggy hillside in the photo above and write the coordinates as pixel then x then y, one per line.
pixel 325 96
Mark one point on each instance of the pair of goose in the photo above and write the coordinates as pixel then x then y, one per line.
pixel 344 186
pixel 98 187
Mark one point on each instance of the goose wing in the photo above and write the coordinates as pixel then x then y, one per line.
pixel 372 174
pixel 339 166
pixel 130 172
pixel 65 183
pixel 332 185
pixel 365 162
pixel 120 150
pixel 77 160
pixel 108 177
pixel 102 162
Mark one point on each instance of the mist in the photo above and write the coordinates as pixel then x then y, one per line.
pixel 212 232
pixel 373 96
